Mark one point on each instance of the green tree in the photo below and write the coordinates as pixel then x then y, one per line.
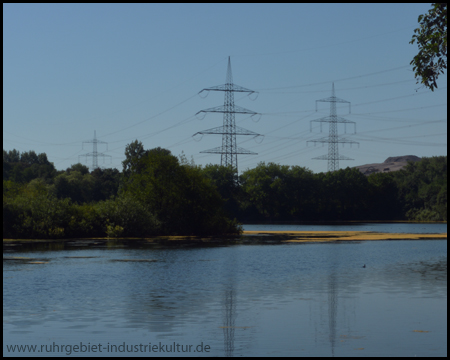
pixel 27 166
pixel 226 182
pixel 128 214
pixel 441 202
pixel 76 186
pixel 280 192
pixel 133 153
pixel 422 188
pixel 384 202
pixel 11 156
pixel 181 197
pixel 82 169
pixel 262 186
pixel 106 183
pixel 29 158
pixel 33 213
pixel 343 195
pixel 431 38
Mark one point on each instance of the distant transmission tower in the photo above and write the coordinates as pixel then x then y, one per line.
pixel 94 153
pixel 333 139
pixel 229 149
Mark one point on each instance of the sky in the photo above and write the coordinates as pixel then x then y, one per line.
pixel 133 72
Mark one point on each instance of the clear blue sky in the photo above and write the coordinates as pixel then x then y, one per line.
pixel 133 71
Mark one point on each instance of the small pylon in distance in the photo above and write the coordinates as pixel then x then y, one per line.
pixel 333 139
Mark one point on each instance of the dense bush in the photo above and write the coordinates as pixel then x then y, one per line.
pixel 273 192
pixel 158 195
pixel 182 198
pixel 33 213
pixel 423 188
pixel 127 215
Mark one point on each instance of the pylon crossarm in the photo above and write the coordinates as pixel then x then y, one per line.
pixel 333 141
pixel 226 130
pixel 323 157
pixel 337 119
pixel 321 140
pixel 217 150
pixel 220 150
pixel 343 157
pixel 224 109
pixel 228 87
pixel 333 99
pixel 346 141
pixel 245 151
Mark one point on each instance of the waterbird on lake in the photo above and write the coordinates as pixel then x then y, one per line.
pixel 364 265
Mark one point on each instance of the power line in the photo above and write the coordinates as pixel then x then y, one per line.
pixel 151 117
pixel 326 46
pixel 352 88
pixel 343 79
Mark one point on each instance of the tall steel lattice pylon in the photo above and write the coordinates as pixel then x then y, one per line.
pixel 229 149
pixel 333 139
pixel 95 154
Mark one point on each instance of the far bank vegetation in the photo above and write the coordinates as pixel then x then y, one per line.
pixel 157 193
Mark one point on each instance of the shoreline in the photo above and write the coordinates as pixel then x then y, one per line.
pixel 334 222
pixel 253 236
pixel 326 236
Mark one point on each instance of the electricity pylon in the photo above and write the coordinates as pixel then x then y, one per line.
pixel 94 153
pixel 333 139
pixel 229 149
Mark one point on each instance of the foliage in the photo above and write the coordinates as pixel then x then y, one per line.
pixel 133 153
pixel 34 214
pixel 22 168
pixel 129 214
pixel 106 183
pixel 423 186
pixel 181 197
pixel 431 38
pixel 384 201
pixel 344 195
pixel 75 186
pixel 83 187
pixel 82 169
pixel 164 195
pixel 273 192
pixel 280 192
pixel 226 181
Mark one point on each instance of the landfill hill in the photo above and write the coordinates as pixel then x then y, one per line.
pixel 393 163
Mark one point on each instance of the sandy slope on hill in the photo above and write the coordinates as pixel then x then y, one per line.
pixel 393 163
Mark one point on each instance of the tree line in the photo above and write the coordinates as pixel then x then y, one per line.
pixel 157 193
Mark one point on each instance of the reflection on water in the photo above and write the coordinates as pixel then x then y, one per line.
pixel 413 228
pixel 332 296
pixel 241 300
pixel 229 306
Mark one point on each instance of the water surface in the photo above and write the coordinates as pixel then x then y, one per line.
pixel 240 300
pixel 412 228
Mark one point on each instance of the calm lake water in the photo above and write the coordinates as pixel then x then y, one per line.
pixel 412 228
pixel 296 299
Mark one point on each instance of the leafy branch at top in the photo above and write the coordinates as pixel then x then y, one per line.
pixel 431 38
